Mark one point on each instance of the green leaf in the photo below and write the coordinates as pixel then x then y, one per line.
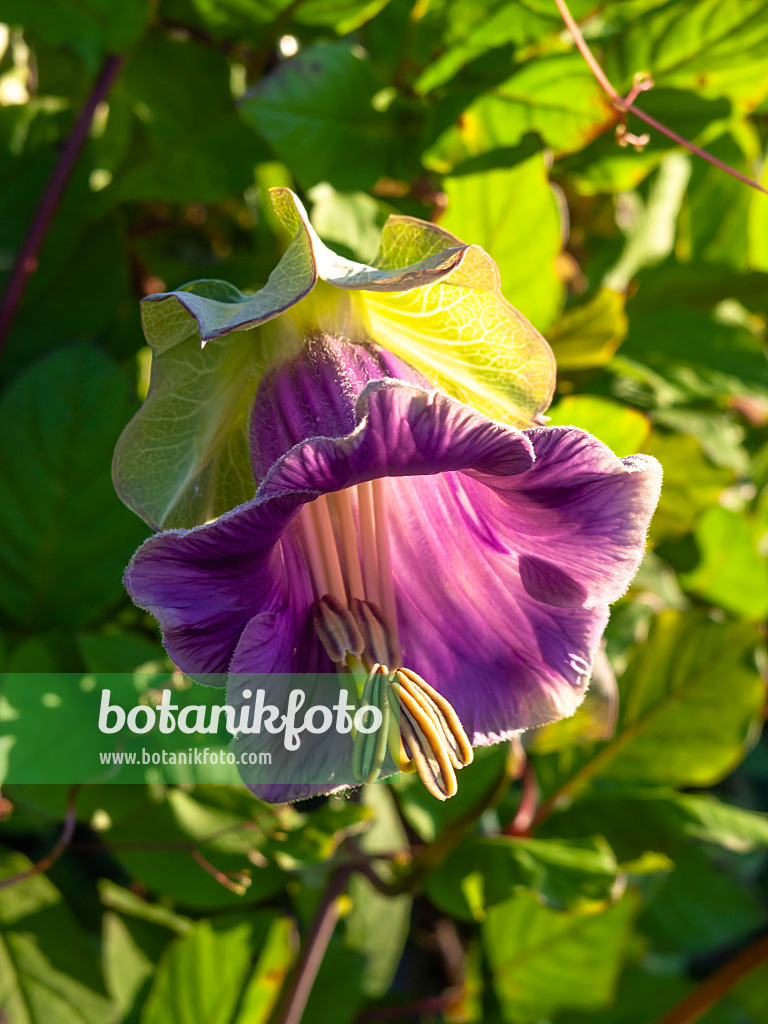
pixel 705 46
pixel 184 458
pixel 473 29
pixel 650 227
pixel 587 335
pixel 316 111
pixel 51 720
pixel 555 96
pixel 691 484
pixel 481 873
pixel 200 978
pixel 545 960
pixel 48 971
pixel 352 220
pixel 732 572
pixel 276 957
pixel 64 415
pixel 131 950
pixel 678 723
pixel 514 215
pixel 594 719
pixel 637 819
pixel 183 822
pixel 701 906
pixel 623 429
pixel 90 27
pixel 343 16
pixel 377 927
pixel 695 355
pixel 188 144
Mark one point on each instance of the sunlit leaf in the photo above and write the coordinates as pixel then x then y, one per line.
pixel 733 572
pixel 200 978
pixel 587 335
pixel 691 483
pixel 713 48
pixel 678 723
pixel 514 215
pixel 545 960
pixel 623 429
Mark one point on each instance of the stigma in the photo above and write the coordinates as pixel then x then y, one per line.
pixel 354 615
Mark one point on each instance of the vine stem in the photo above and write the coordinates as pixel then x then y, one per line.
pixel 623 106
pixel 26 260
pixel 717 985
pixel 315 947
pixel 70 821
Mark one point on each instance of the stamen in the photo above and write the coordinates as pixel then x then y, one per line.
pixel 442 711
pixel 426 743
pixel 384 556
pixel 365 512
pixel 312 544
pixel 322 519
pixel 438 776
pixel 343 504
pixel 380 640
pixel 371 748
pixel 336 627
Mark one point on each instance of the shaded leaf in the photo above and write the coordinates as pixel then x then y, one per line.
pixel 42 977
pixel 377 927
pixel 185 122
pixel 316 111
pixel 64 415
pixel 481 873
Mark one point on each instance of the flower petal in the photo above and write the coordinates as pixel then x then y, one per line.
pixel 205 585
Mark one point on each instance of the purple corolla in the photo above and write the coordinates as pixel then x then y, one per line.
pixel 465 565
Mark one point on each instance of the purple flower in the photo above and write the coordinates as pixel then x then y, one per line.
pixel 397 527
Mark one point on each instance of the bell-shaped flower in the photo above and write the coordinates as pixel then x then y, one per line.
pixel 462 567
pixel 428 298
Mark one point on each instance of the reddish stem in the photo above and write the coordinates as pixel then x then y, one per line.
pixel 314 949
pixel 26 260
pixel 70 821
pixel 623 106
pixel 718 984
pixel 529 801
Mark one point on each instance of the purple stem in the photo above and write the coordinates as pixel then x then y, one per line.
pixel 26 261
pixel 314 949
pixel 623 106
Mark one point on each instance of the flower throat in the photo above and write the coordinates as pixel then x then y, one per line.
pixel 346 539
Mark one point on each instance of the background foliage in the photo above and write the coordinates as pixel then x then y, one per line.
pixel 648 271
